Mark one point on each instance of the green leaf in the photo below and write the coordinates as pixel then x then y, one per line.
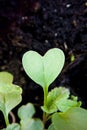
pixel 51 127
pixel 54 98
pixel 66 104
pixel 73 119
pixel 26 111
pixel 10 97
pixel 13 126
pixel 58 99
pixel 43 69
pixel 32 124
pixel 6 77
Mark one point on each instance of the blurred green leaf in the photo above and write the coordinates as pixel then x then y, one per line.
pixel 26 111
pixel 13 126
pixel 73 119
pixel 10 94
pixel 51 127
pixel 6 77
pixel 66 104
pixel 32 124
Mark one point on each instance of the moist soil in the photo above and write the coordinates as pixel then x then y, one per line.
pixel 40 25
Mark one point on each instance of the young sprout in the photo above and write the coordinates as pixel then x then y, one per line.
pixel 64 110
pixel 44 69
pixel 10 94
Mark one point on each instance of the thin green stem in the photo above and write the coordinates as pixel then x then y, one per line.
pixel 45 103
pixel 46 117
pixel 45 95
pixel 5 113
pixel 6 120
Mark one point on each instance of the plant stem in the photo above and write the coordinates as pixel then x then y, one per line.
pixel 6 120
pixel 45 95
pixel 45 103
pixel 46 117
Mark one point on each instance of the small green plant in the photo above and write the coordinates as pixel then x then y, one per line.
pixel 10 94
pixel 63 110
pixel 10 97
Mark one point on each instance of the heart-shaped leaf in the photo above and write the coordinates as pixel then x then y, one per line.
pixel 73 119
pixel 43 69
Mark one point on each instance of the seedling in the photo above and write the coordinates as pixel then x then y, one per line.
pixel 57 105
pixel 10 97
pixel 62 109
pixel 43 69
pixel 10 94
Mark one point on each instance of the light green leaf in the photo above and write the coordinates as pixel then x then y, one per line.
pixel 73 119
pixel 6 77
pixel 58 99
pixel 13 126
pixel 43 69
pixel 54 98
pixel 26 111
pixel 51 127
pixel 10 97
pixel 32 124
pixel 66 104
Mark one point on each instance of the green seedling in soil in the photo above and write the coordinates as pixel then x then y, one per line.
pixel 63 110
pixel 43 69
pixel 10 97
pixel 10 94
pixel 25 114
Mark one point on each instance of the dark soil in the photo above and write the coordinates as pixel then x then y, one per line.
pixel 40 25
